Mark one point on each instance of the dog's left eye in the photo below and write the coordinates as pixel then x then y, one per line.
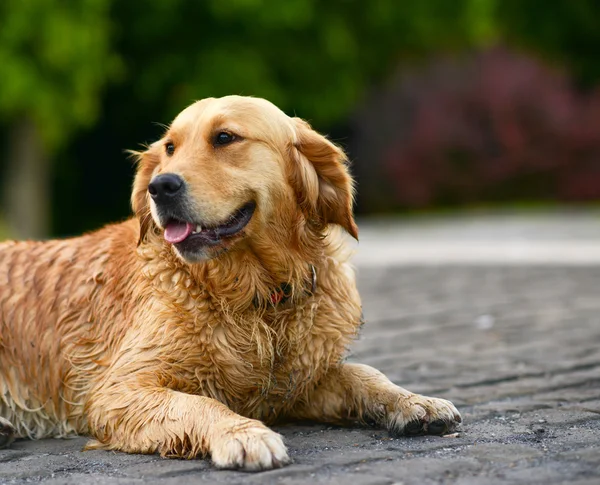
pixel 223 138
pixel 170 148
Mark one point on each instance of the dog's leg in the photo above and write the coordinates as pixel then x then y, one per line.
pixel 182 425
pixel 355 392
pixel 7 433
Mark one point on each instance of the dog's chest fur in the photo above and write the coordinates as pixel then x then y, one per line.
pixel 256 360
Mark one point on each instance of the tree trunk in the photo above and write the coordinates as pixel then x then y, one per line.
pixel 26 183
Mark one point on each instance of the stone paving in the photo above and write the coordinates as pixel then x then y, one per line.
pixel 515 346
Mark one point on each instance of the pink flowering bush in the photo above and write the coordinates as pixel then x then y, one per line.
pixel 495 126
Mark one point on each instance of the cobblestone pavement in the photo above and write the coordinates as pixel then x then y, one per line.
pixel 515 347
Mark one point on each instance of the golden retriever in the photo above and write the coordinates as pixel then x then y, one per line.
pixel 226 304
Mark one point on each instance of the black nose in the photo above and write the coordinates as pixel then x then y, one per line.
pixel 165 186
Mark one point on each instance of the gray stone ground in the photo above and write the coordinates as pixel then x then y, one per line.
pixel 515 346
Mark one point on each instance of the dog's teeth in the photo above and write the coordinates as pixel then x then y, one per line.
pixel 198 228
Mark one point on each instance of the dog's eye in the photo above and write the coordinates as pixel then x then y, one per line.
pixel 170 148
pixel 223 138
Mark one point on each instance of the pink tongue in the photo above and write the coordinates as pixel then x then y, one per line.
pixel 176 232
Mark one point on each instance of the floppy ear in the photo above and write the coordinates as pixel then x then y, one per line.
pixel 320 178
pixel 147 162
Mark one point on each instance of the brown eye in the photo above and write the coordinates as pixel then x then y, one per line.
pixel 223 138
pixel 170 148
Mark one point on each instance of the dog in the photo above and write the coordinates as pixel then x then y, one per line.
pixel 226 304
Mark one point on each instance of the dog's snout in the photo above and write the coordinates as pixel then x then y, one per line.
pixel 165 186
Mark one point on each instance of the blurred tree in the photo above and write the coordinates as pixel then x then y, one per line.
pixel 566 32
pixel 54 60
pixel 313 58
pixel 318 59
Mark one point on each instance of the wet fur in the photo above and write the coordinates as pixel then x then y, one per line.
pixel 114 335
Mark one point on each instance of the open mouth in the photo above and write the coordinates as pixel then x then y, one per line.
pixel 185 234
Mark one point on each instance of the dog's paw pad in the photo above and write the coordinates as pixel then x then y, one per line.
pixel 421 415
pixel 7 433
pixel 437 427
pixel 414 428
pixel 252 449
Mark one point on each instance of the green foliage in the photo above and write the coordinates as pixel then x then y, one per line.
pixel 55 59
pixel 312 57
pixel 480 21
pixel 117 65
pixel 566 32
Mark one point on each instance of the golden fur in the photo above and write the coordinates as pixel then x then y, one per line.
pixel 118 335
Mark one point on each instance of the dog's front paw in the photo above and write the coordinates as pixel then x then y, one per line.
pixel 250 446
pixel 417 415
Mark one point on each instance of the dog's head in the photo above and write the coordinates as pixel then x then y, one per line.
pixel 229 169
